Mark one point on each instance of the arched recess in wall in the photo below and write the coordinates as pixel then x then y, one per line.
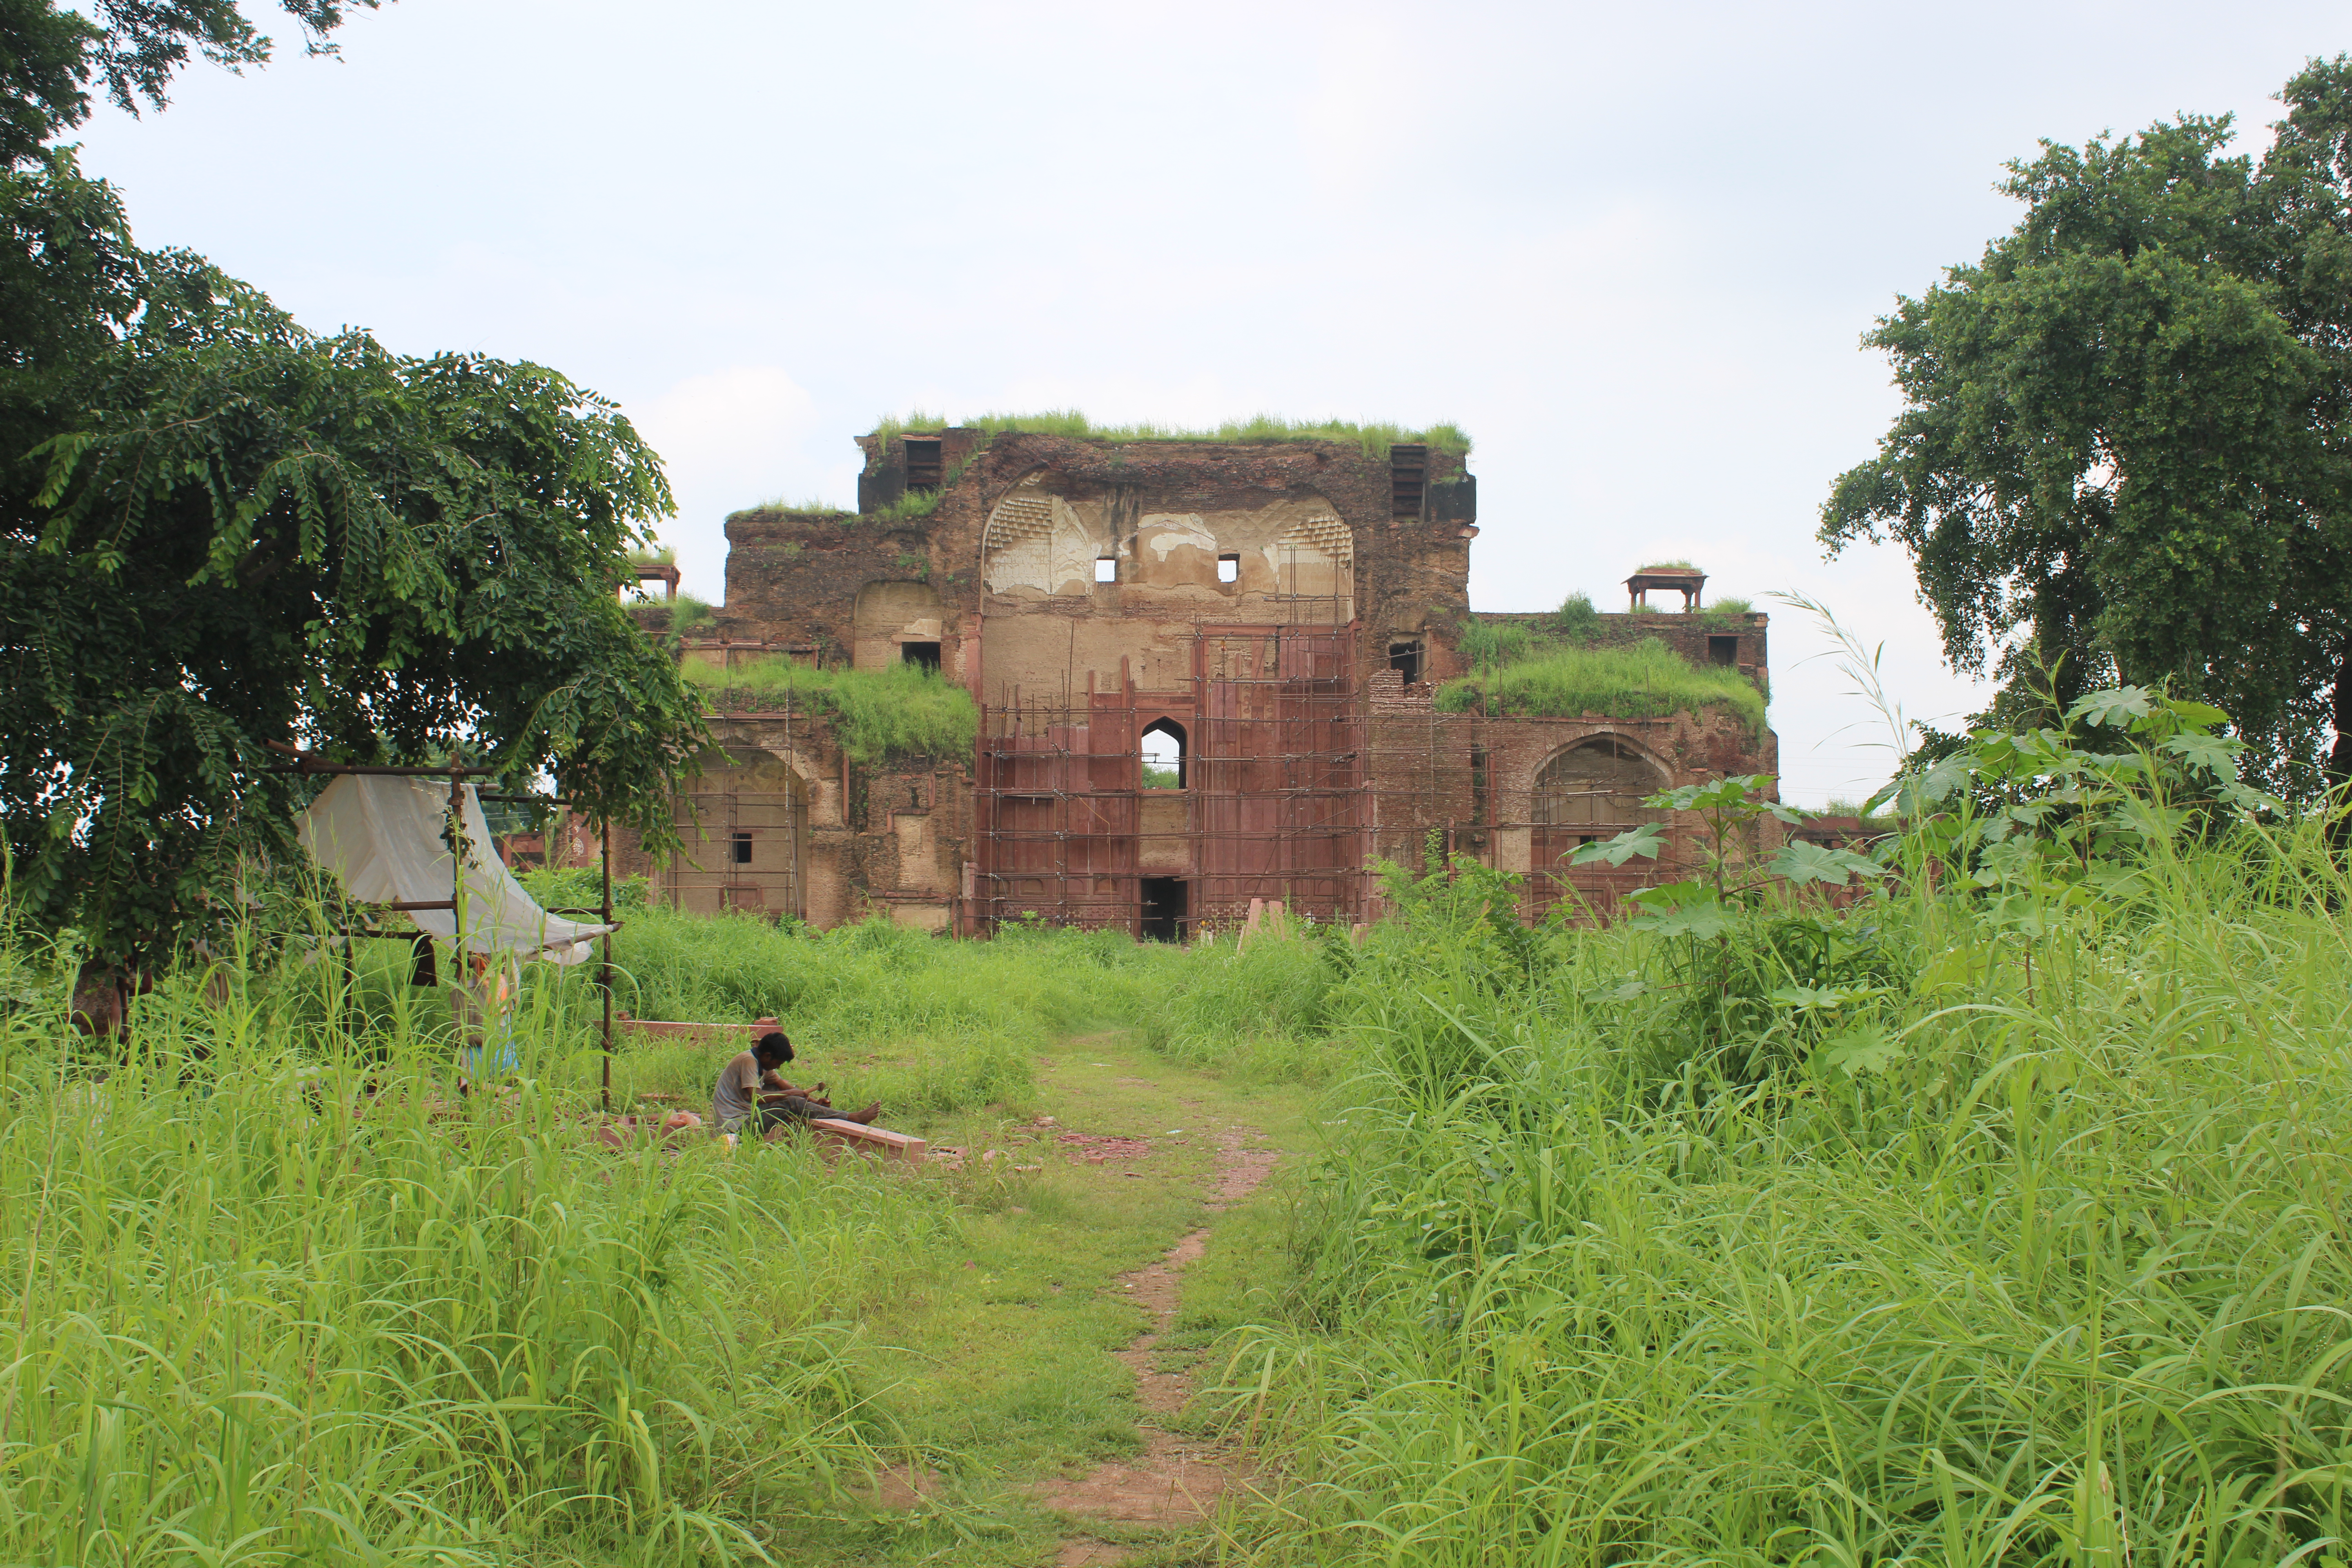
pixel 1035 542
pixel 1594 789
pixel 1314 557
pixel 1166 755
pixel 898 622
pixel 745 827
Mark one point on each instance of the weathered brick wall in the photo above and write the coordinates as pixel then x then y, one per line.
pixel 892 840
pixel 855 588
pixel 795 578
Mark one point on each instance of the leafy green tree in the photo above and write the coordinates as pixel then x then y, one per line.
pixel 2123 456
pixel 218 530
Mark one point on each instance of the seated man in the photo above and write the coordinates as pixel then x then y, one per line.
pixel 752 1077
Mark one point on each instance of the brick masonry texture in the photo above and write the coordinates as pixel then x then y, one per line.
pixel 1226 560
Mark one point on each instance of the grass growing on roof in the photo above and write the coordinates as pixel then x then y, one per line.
pixel 1490 644
pixel 1576 619
pixel 681 616
pixel 1374 439
pixel 1647 680
pixel 818 504
pixel 902 710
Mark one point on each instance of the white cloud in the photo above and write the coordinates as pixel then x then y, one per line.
pixel 728 439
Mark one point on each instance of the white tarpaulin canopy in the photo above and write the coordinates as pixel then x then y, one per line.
pixel 386 837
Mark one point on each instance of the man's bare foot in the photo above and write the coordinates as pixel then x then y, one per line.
pixel 863 1118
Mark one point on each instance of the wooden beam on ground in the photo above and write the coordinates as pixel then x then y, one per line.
pixel 756 1028
pixel 877 1141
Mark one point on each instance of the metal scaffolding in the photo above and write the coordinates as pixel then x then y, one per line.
pixel 1271 801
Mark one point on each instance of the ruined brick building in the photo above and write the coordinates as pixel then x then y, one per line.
pixel 1273 616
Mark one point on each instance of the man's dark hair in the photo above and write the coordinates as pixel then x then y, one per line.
pixel 773 1047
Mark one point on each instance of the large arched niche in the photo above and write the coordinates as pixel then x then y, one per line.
pixel 1295 554
pixel 1313 553
pixel 1037 542
pixel 1595 788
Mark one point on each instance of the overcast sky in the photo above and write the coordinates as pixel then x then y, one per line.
pixel 1630 250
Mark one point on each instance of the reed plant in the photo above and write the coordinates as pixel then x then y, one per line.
pixel 2030 1250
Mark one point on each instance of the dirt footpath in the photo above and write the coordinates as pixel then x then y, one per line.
pixel 1176 1480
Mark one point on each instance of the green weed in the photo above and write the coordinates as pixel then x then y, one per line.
pixel 1645 680
pixel 899 711
pixel 2024 1246
pixel 1373 439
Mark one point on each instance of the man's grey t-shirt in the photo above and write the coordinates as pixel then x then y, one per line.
pixel 738 1080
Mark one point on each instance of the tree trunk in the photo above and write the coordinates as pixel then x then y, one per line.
pixel 2339 758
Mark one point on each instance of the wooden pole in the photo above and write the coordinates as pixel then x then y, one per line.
pixel 605 964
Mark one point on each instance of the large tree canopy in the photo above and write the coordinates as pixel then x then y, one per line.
pixel 218 530
pixel 2124 453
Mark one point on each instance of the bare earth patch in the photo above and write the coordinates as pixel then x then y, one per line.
pixel 1175 1480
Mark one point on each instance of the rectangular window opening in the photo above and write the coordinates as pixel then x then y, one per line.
pixel 1229 568
pixel 739 851
pixel 1404 657
pixel 1723 650
pixel 924 467
pixel 1408 479
pixel 923 656
pixel 1107 569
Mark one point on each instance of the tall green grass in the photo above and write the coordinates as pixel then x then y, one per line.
pixel 1645 680
pixel 277 1294
pixel 1488 645
pixel 1259 1010
pixel 2033 1252
pixel 899 712
pixel 877 1010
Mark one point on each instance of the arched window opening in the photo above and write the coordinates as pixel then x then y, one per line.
pixel 1163 755
pixel 1595 791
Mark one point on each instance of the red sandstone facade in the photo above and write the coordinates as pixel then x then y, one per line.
pixel 1282 609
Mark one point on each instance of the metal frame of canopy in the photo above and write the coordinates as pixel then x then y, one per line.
pixel 309 763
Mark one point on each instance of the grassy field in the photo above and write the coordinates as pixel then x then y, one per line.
pixel 1935 1228
pixel 2030 1251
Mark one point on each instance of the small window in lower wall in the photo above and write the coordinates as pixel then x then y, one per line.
pixel 739 849
pixel 1107 569
pixel 1404 657
pixel 1723 650
pixel 923 656
pixel 742 899
pixel 1229 568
